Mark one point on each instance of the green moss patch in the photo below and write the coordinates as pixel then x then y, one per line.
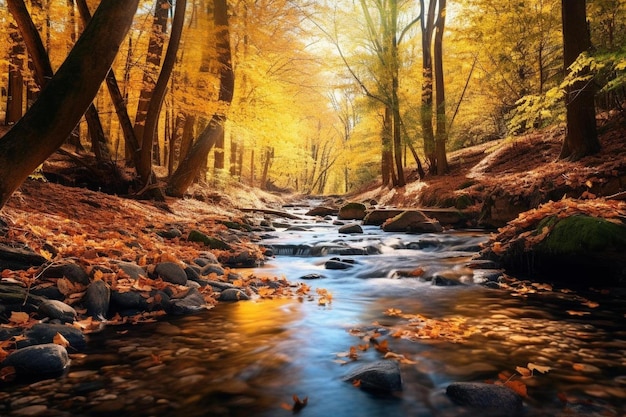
pixel 582 235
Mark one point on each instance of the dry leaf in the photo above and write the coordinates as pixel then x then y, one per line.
pixel 19 317
pixel 538 368
pixel 524 372
pixel 518 386
pixel 58 339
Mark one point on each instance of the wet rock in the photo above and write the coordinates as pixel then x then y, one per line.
pixel 55 309
pixel 233 294
pixel 339 264
pixel 131 300
pixel 243 259
pixel 212 269
pixel 171 272
pixel 312 276
pixel 205 259
pixel 412 221
pixel 351 229
pixel 352 211
pixel 382 376
pixel 39 361
pixel 440 281
pixel 193 273
pixel 67 269
pixel 322 211
pixel 378 217
pixel 19 258
pixel 98 299
pixel 43 333
pixel 484 397
pixel 211 242
pixel 191 303
pixel 131 269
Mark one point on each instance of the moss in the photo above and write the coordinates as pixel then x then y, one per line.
pixel 353 206
pixel 583 235
pixel 463 202
pixel 211 242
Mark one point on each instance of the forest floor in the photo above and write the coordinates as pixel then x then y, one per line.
pixel 503 178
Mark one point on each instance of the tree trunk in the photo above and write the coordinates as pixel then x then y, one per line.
pixel 427 86
pixel 153 63
pixel 119 103
pixel 188 169
pixel 144 169
pixel 581 137
pixel 60 106
pixel 441 134
pixel 15 88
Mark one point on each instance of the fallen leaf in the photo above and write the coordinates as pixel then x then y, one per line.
pixel 524 372
pixel 538 368
pixel 518 386
pixel 19 317
pixel 60 340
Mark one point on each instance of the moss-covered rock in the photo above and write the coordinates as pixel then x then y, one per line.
pixel 211 242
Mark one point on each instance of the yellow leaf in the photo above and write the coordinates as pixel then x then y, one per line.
pixel 524 372
pixel 97 276
pixel 58 339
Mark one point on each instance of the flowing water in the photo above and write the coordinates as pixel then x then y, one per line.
pixel 250 358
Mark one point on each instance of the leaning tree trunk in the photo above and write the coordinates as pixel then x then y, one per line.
pixel 191 165
pixel 581 137
pixel 46 125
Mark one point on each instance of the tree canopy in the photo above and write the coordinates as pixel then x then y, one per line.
pixel 326 96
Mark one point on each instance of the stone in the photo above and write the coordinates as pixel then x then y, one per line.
pixel 322 211
pixel 58 310
pixel 98 299
pixel 211 242
pixel 352 211
pixel 485 397
pixel 339 264
pixel 233 294
pixel 351 229
pixel 171 272
pixel 312 276
pixel 212 269
pixel 191 303
pixel 131 269
pixel 378 217
pixel 382 376
pixel 19 258
pixel 130 300
pixel 38 361
pixel 67 269
pixel 170 233
pixel 440 281
pixel 412 221
pixel 43 333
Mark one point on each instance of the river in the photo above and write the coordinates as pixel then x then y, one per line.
pixel 250 358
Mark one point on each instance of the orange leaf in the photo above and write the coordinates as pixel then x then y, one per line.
pixel 518 386
pixel 382 347
pixel 58 339
pixel 19 317
pixel 524 372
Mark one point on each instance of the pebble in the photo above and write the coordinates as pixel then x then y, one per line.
pixel 32 410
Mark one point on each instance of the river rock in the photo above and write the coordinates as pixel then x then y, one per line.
pixel 171 272
pixel 191 303
pixel 43 333
pixel 322 211
pixel 67 269
pixel 241 259
pixel 352 211
pixel 212 269
pixel 339 264
pixel 233 294
pixel 130 300
pixel 131 269
pixel 98 299
pixel 58 310
pixel 210 242
pixel 351 229
pixel 40 361
pixel 412 221
pixel 441 281
pixel 382 376
pixel 19 258
pixel 488 398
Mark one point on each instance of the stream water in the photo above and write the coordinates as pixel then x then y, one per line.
pixel 250 358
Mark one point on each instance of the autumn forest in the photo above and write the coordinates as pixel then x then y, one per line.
pixel 315 97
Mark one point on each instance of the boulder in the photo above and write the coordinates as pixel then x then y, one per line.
pixel 97 299
pixel 191 303
pixel 171 272
pixel 382 376
pixel 233 294
pixel 352 211
pixel 19 258
pixel 131 269
pixel 322 211
pixel 339 264
pixel 486 398
pixel 210 242
pixel 58 310
pixel 351 229
pixel 412 221
pixel 43 333
pixel 40 361
pixel 67 269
